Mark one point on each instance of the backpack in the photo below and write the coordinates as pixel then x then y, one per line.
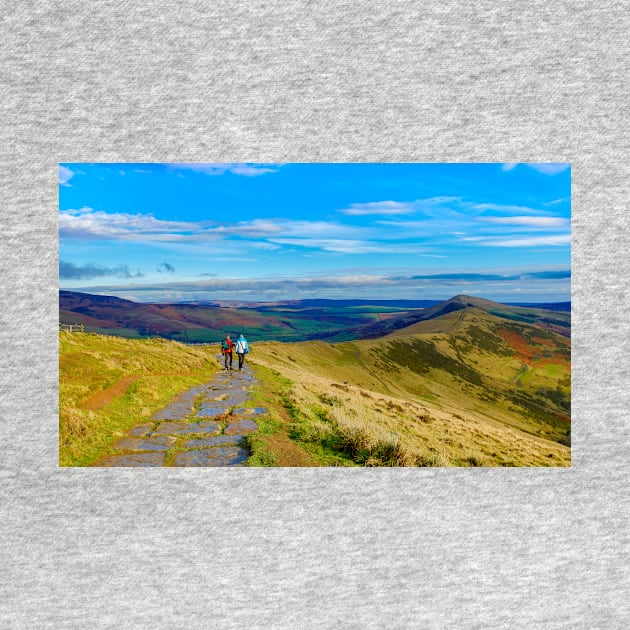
pixel 226 345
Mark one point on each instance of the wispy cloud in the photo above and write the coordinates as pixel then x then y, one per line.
pixel 535 241
pixel 380 208
pixel 481 224
pixel 347 246
pixel 244 169
pixel 65 175
pixel 548 168
pixel 538 222
pixel 374 284
pixel 431 206
pixel 70 271
pixel 456 209
pixel 89 224
pixel 165 268
pixel 551 168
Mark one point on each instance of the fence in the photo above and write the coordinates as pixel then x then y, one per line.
pixel 72 327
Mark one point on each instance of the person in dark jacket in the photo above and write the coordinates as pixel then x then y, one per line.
pixel 226 349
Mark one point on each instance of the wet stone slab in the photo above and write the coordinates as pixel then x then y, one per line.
pixel 211 412
pixel 215 397
pixel 174 412
pixel 217 456
pixel 225 404
pixel 143 460
pixel 218 440
pixel 141 429
pixel 145 444
pixel 184 428
pixel 231 401
pixel 241 427
pixel 183 404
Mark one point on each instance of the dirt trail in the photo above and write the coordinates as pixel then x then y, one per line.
pixel 203 426
pixel 100 399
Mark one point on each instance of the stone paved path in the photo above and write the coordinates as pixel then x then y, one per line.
pixel 203 426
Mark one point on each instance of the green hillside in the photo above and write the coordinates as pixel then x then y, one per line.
pixel 466 387
pixel 107 384
pixel 556 321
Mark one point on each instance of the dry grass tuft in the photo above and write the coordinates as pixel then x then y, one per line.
pixel 366 442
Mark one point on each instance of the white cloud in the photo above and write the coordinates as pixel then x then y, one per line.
pixel 551 168
pixel 266 228
pixel 264 246
pixel 480 208
pixel 555 240
pixel 379 207
pixel 555 202
pixel 358 283
pixel 431 206
pixel 548 168
pixel 220 168
pixel 543 222
pixel 90 224
pixel 65 175
pixel 348 246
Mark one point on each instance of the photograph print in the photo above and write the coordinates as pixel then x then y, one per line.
pixel 314 314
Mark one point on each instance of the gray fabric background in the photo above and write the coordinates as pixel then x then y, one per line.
pixel 327 81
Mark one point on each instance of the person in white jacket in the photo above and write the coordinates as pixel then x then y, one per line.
pixel 242 348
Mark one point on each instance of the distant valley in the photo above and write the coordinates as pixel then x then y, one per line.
pixel 298 320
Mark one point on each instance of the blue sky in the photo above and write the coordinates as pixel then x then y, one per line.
pixel 265 232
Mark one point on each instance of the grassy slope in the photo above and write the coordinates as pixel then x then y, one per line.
pixel 559 322
pixel 108 384
pixel 487 405
pixel 465 390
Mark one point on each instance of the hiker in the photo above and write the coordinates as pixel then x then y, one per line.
pixel 242 348
pixel 226 351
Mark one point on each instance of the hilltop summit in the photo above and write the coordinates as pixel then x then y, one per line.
pixel 552 320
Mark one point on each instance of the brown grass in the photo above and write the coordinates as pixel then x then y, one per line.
pixel 376 427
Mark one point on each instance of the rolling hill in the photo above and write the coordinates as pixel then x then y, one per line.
pixel 460 383
pixel 333 320
pixel 183 322
pixel 557 321
pixel 297 320
pixel 462 387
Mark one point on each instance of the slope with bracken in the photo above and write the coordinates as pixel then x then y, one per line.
pixel 464 386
